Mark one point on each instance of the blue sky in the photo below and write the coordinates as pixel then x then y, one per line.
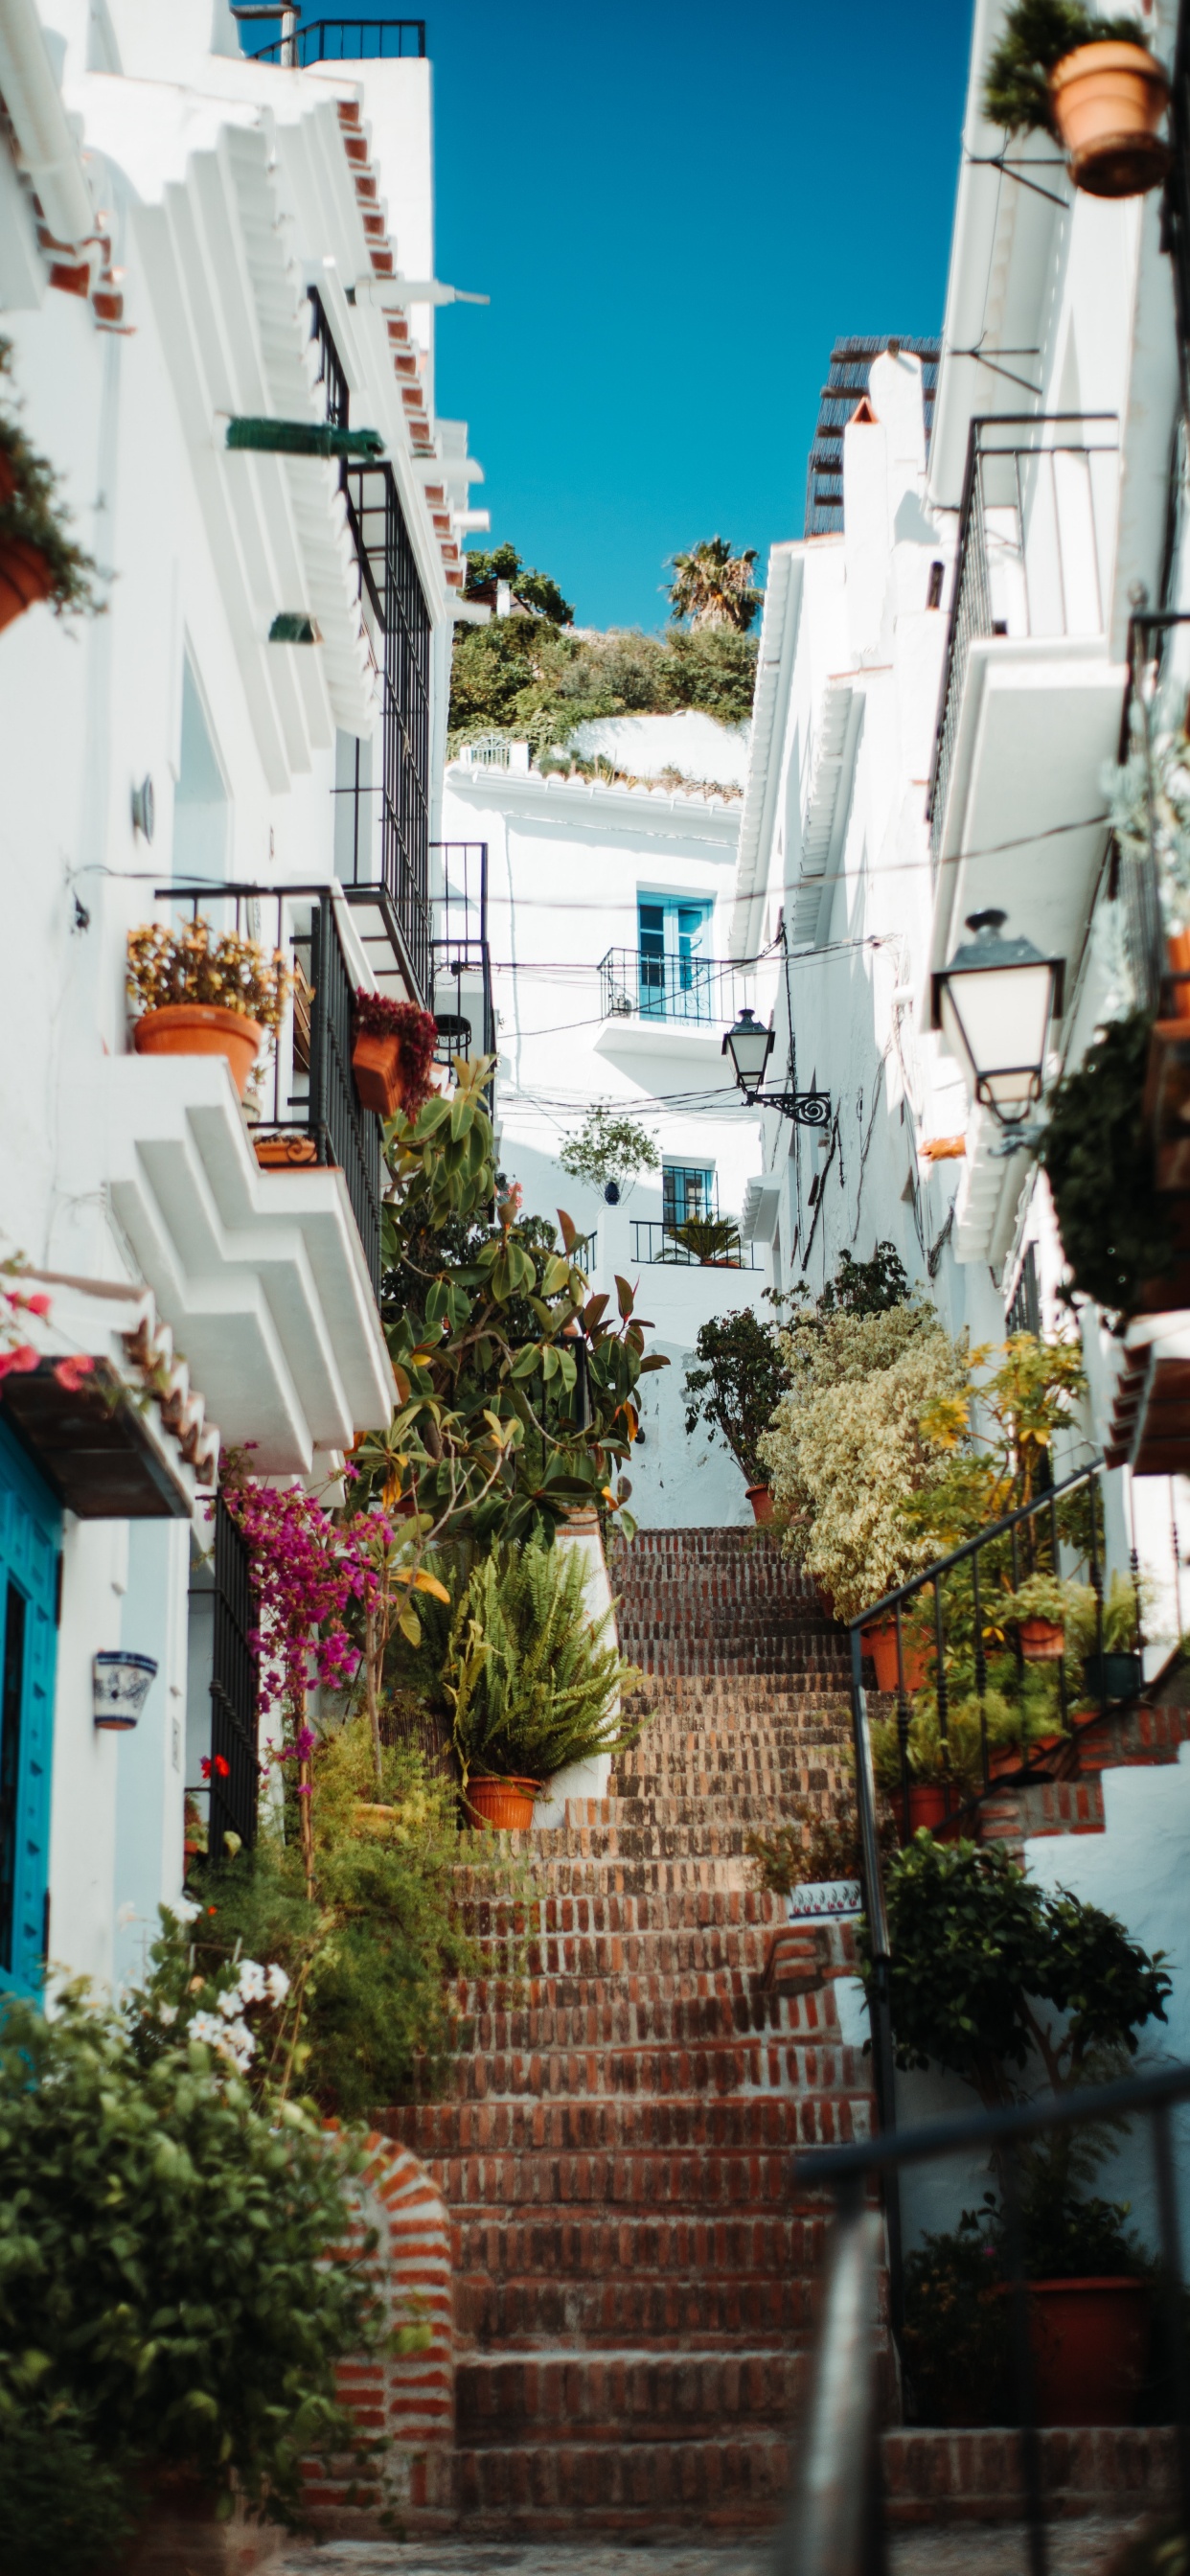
pixel 676 209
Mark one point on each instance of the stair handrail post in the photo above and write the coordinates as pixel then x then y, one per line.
pixel 879 1995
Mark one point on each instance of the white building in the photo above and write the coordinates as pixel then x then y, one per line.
pixel 607 909
pixel 190 240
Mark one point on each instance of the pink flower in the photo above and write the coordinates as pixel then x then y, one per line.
pixel 73 1373
pixel 20 1360
pixel 39 1305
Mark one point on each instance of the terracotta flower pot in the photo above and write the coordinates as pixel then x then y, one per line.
pixel 202 1028
pixel 927 1804
pixel 506 1805
pixel 1178 951
pixel 1108 101
pixel 285 1153
pixel 1043 1641
pixel 25 577
pixel 375 1063
pixel 761 1501
pixel 880 1642
pixel 1090 2344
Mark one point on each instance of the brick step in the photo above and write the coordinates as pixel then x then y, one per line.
pixel 677 2021
pixel 779 2245
pixel 612 1956
pixel 618 2397
pixel 704 1833
pixel 747 2181
pixel 657 2072
pixel 704 1700
pixel 720 1879
pixel 687 2309
pixel 734 2484
pixel 629 2126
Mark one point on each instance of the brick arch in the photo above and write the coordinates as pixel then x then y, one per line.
pixel 409 2398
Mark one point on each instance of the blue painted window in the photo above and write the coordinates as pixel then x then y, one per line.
pixel 687 1193
pixel 675 979
pixel 30 1546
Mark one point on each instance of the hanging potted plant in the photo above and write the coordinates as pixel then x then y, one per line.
pixel 1092 83
pixel 392 1054
pixel 199 995
pixel 38 560
pixel 1116 1232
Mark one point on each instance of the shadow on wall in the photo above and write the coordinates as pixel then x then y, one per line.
pixel 679 1482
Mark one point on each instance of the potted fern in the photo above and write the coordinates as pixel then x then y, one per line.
pixel 199 995
pixel 529 1682
pixel 1092 83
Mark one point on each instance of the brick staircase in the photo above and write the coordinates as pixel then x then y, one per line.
pixel 632 2267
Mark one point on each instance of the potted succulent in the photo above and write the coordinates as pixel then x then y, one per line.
pixel 1039 1610
pixel 732 1385
pixel 392 1053
pixel 38 560
pixel 199 995
pixel 1091 82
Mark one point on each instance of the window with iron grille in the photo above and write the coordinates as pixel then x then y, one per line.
pixel 235 1692
pixel 390 575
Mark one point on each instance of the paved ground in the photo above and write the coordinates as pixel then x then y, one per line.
pixel 1074 2549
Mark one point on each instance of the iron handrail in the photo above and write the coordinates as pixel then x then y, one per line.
pixel 315 42
pixel 836 2521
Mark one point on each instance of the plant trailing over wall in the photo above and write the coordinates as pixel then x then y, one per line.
pixel 733 1384
pixel 167 965
pixel 1099 1159
pixel 165 2297
pixel 1036 36
pixel 712 587
pixel 522 677
pixel 32 514
pixel 377 1015
pixel 489 1440
pixel 528 1679
pixel 609 1150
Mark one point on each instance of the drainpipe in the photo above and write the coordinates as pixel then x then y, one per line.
pixel 47 148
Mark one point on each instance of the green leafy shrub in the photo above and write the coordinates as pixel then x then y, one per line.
pixel 165 2296
pixel 609 1148
pixel 733 1385
pixel 958 2330
pixel 522 676
pixel 1098 1155
pixel 62 2505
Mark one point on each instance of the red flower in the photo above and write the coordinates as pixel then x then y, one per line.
pixel 22 1359
pixel 73 1373
pixel 220 1767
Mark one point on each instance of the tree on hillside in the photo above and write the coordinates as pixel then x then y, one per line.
pixel 524 676
pixel 713 587
pixel 534 592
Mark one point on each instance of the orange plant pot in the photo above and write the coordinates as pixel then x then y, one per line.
pixel 285 1153
pixel 25 578
pixel 375 1064
pixel 202 1028
pixel 1090 2342
pixel 1178 951
pixel 506 1805
pixel 1042 1641
pixel 1108 102
pixel 927 1804
pixel 761 1501
pixel 880 1642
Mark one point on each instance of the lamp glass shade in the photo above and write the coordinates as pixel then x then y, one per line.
pixel 996 1002
pixel 749 1045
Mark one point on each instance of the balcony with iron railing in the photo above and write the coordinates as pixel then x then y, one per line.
pixel 460 956
pixel 693 991
pixel 257 1222
pixel 339 40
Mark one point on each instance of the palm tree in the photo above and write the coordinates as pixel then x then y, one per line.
pixel 713 587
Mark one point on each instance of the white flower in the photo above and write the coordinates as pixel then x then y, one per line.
pixel 167 2013
pixel 182 1910
pixel 237 2043
pixel 251 1981
pixel 229 2003
pixel 207 2027
pixel 278 1983
pixel 125 1915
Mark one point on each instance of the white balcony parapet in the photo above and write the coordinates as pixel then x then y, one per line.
pixel 261 1274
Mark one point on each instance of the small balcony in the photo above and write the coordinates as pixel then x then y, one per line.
pixel 1030 701
pixel 460 957
pixel 347 40
pixel 700 991
pixel 257 1223
pixel 698 1243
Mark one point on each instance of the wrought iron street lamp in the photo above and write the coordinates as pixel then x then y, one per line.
pixel 995 1004
pixel 750 1044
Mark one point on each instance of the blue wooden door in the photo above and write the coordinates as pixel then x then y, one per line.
pixel 30 1546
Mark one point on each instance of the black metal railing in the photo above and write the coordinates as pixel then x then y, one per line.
pixel 308 1095
pixel 696 1243
pixel 235 1692
pixel 389 574
pixel 1035 536
pixel 460 955
pixel 837 2520
pixel 635 985
pixel 331 375
pixel 348 40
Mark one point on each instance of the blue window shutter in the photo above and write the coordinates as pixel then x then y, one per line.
pixel 30 1549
